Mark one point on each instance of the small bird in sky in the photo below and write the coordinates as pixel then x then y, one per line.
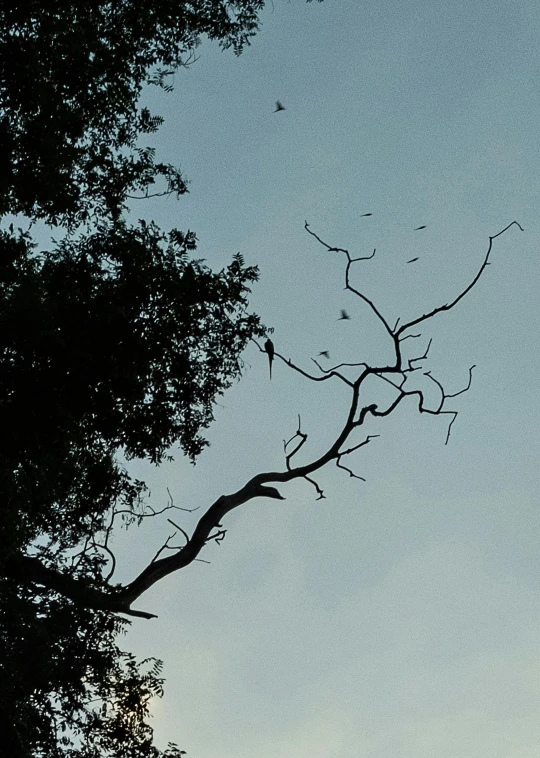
pixel 269 347
pixel 412 260
pixel 344 316
pixel 365 214
pixel 325 353
pixel 420 227
pixel 279 107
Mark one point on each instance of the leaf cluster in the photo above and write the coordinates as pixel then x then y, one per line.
pixel 70 77
pixel 117 340
pixel 74 692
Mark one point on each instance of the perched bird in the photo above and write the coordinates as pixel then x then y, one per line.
pixel 269 347
pixel 420 227
pixel 279 107
pixel 412 260
pixel 344 316
pixel 325 353
pixel 365 214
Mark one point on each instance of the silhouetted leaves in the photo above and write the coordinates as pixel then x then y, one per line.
pixel 71 75
pixel 116 340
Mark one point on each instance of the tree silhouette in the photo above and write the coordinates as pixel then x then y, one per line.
pixel 118 339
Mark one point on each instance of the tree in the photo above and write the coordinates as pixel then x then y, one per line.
pixel 116 339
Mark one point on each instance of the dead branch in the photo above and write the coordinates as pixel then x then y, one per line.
pixel 120 599
pixel 467 289
pixel 303 439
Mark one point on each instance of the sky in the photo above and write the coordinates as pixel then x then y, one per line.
pixel 400 617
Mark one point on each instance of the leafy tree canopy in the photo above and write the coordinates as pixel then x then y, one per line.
pixel 115 340
pixel 70 77
pixel 118 340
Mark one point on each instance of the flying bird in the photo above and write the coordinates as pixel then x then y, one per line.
pixel 365 214
pixel 279 107
pixel 412 260
pixel 269 347
pixel 344 316
pixel 325 353
pixel 420 227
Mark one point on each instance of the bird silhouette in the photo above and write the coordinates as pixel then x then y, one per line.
pixel 344 316
pixel 269 347
pixel 325 353
pixel 279 107
pixel 420 227
pixel 365 214
pixel 412 260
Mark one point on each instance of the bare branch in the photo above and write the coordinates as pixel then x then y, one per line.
pixel 455 394
pixel 165 546
pixel 113 561
pixel 119 600
pixel 320 492
pixel 409 336
pixel 153 194
pixel 303 438
pixel 179 529
pixel 462 294
pixel 439 385
pixel 359 445
pixel 351 450
pixel 288 362
pixel 333 370
pixel 381 375
pixel 348 470
pixel 348 285
pixel 172 505
pixel 218 537
pixel 138 614
pixel 421 358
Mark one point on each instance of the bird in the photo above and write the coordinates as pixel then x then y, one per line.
pixel 279 107
pixel 365 214
pixel 325 353
pixel 420 227
pixel 269 347
pixel 344 316
pixel 412 260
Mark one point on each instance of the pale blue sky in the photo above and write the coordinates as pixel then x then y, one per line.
pixel 398 618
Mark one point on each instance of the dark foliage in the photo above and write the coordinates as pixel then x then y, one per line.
pixel 74 692
pixel 70 77
pixel 117 340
